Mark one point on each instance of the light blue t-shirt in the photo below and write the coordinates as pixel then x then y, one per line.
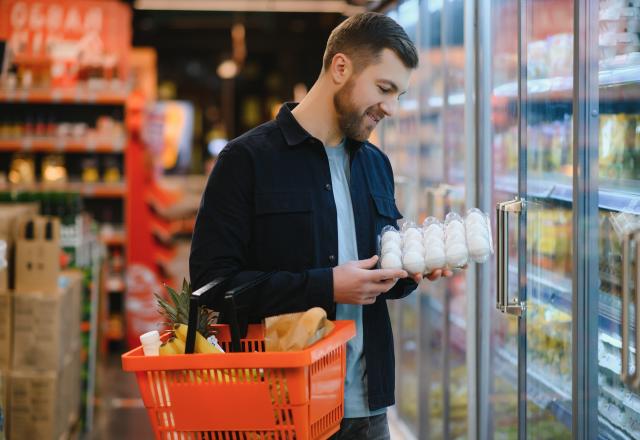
pixel 355 386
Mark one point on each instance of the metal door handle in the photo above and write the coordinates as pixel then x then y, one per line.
pixel 513 307
pixel 625 377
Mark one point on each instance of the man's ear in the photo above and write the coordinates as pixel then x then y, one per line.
pixel 341 68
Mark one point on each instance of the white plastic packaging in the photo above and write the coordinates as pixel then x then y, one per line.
pixel 151 343
pixel 391 261
pixel 478 232
pixel 434 245
pixel 456 251
pixel 413 262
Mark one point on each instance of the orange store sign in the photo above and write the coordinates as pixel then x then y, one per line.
pixel 65 28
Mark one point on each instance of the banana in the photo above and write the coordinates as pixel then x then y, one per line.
pixel 168 348
pixel 202 345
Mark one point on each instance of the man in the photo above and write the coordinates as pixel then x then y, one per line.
pixel 306 195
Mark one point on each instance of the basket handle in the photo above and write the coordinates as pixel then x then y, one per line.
pixel 194 312
pixel 238 324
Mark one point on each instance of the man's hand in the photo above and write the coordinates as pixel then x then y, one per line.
pixel 356 282
pixel 434 275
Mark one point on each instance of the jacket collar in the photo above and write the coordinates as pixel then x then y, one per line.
pixel 295 135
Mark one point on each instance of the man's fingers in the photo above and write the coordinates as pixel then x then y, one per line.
pixel 417 278
pixel 368 263
pixel 434 275
pixel 447 273
pixel 387 274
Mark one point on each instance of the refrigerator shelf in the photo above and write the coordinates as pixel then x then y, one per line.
pixel 555 291
pixel 561 88
pixel 544 389
pixel 549 189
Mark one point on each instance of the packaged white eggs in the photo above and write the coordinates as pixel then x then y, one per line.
pixel 455 240
pixel 390 261
pixel 390 241
pixel 478 234
pixel 413 262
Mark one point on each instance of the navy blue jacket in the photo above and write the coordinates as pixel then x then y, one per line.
pixel 268 205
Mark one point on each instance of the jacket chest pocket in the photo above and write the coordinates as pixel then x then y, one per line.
pixel 386 212
pixel 284 230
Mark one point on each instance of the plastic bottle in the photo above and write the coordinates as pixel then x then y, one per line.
pixel 151 343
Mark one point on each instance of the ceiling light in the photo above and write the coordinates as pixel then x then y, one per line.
pixel 227 69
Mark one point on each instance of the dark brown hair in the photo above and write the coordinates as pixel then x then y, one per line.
pixel 363 36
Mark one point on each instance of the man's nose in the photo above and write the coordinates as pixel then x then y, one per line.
pixel 389 107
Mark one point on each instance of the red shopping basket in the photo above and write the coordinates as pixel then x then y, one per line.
pixel 250 394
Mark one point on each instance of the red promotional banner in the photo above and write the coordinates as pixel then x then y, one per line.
pixel 68 33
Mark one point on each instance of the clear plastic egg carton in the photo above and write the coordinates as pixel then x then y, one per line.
pixel 437 245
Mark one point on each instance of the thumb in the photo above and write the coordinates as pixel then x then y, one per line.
pixel 368 263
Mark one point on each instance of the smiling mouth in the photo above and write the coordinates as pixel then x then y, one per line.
pixel 373 117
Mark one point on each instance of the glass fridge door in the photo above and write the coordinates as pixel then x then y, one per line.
pixel 500 419
pixel 618 240
pixel 546 146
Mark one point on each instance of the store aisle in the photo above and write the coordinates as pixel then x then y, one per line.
pixel 120 413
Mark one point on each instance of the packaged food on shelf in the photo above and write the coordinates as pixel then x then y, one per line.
pixel 22 169
pixel 54 169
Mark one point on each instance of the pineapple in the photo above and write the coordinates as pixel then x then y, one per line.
pixel 176 310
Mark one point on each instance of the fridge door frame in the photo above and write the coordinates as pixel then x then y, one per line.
pixel 585 279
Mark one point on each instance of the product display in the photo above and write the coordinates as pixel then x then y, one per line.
pixel 436 245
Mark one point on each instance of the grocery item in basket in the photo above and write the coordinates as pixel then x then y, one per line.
pixel 296 331
pixel 151 343
pixel 201 345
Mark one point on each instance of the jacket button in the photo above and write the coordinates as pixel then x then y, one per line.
pixel 332 258
pixel 327 187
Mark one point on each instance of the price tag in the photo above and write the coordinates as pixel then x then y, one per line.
pixel 27 144
pixel 56 95
pixel 60 144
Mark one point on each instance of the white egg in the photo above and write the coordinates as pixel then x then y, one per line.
pixel 434 228
pixel 434 259
pixel 391 236
pixel 391 261
pixel 413 246
pixel 391 247
pixel 479 249
pixel 454 227
pixel 477 229
pixel 455 239
pixel 433 242
pixel 475 217
pixel 412 234
pixel 413 262
pixel 457 255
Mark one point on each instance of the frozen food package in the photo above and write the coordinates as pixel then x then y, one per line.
pixel 456 251
pixel 433 241
pixel 478 233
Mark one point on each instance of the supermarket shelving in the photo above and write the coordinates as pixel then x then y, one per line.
pixel 87 190
pixel 62 145
pixel 79 95
pixel 552 189
pixel 561 88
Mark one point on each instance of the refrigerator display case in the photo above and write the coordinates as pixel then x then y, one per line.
pixel 532 116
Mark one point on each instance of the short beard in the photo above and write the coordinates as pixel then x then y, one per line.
pixel 350 120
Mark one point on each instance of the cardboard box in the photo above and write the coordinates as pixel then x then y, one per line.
pixel 46 326
pixel 10 217
pixel 43 403
pixel 4 409
pixel 5 331
pixel 37 261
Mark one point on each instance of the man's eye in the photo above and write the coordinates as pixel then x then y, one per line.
pixel 384 90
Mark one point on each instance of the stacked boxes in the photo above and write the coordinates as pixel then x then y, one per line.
pixel 39 334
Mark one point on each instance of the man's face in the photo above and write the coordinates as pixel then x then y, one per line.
pixel 369 96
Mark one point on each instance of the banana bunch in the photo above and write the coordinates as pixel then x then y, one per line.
pixel 176 345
